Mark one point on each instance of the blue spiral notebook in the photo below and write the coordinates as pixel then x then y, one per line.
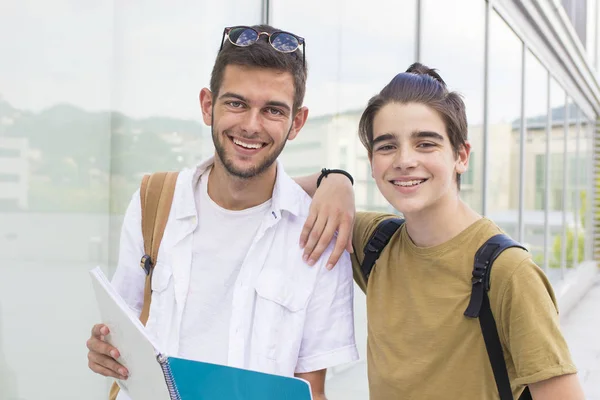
pixel 155 376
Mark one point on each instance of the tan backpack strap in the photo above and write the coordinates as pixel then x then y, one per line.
pixel 114 391
pixel 156 194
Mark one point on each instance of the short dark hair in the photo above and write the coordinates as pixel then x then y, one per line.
pixel 419 84
pixel 262 55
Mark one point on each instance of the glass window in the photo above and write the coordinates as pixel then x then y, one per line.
pixel 468 178
pixel 442 45
pixel 576 190
pixel 54 190
pixel 536 116
pixel 555 172
pixel 352 54
pixel 504 112
pixel 540 181
pixel 351 57
pixel 586 151
pixel 93 95
pixel 172 56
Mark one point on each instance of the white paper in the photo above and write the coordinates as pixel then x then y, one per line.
pixel 138 354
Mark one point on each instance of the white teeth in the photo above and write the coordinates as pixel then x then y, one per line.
pixel 408 183
pixel 247 145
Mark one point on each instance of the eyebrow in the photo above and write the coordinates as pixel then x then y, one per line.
pixel 427 134
pixel 271 103
pixel 415 135
pixel 383 138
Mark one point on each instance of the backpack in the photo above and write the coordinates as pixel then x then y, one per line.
pixel 479 304
pixel 156 195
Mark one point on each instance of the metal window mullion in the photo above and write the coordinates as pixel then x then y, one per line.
pixel 418 30
pixel 592 190
pixel 563 247
pixel 486 102
pixel 592 203
pixel 589 167
pixel 547 178
pixel 266 12
pixel 522 141
pixel 576 192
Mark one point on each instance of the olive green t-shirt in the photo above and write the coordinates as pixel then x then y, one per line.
pixel 421 346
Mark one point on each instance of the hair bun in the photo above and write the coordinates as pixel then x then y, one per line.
pixel 420 69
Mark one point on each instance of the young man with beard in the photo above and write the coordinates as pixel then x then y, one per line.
pixel 230 286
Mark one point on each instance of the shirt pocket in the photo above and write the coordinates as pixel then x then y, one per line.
pixel 279 314
pixel 162 297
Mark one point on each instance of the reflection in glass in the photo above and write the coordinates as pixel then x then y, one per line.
pixel 504 125
pixel 96 94
pixel 440 49
pixel 567 238
pixel 54 191
pixel 587 196
pixel 556 177
pixel 577 190
pixel 352 55
pixel 536 116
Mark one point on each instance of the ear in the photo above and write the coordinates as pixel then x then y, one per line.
pixel 206 105
pixel 462 161
pixel 298 122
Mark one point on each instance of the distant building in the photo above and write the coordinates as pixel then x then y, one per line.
pixel 14 172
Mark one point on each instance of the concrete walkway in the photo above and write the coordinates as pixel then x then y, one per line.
pixel 581 328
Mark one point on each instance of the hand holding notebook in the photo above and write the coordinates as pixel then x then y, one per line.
pixel 156 376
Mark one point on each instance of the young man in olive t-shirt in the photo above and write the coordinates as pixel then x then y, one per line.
pixel 420 345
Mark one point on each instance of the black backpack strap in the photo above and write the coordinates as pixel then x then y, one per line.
pixel 479 306
pixel 377 242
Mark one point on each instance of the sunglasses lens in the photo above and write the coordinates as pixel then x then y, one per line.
pixel 284 42
pixel 243 36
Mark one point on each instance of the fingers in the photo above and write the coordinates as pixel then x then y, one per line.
pixel 341 242
pixel 98 365
pixel 100 330
pixel 308 225
pixel 350 245
pixel 313 240
pixel 97 345
pixel 323 242
pixel 102 356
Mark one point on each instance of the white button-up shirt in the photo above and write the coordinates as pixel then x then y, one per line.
pixel 286 316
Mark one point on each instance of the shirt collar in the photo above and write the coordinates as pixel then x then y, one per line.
pixel 287 194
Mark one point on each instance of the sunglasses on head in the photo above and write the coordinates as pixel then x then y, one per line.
pixel 244 36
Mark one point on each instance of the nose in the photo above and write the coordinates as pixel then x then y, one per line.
pixel 405 158
pixel 251 122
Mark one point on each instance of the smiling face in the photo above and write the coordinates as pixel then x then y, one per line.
pixel 413 162
pixel 252 117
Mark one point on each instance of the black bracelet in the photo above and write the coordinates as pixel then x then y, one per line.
pixel 325 172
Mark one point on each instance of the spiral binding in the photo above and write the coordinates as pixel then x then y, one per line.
pixel 166 368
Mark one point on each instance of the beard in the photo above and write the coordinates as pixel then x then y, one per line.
pixel 247 173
